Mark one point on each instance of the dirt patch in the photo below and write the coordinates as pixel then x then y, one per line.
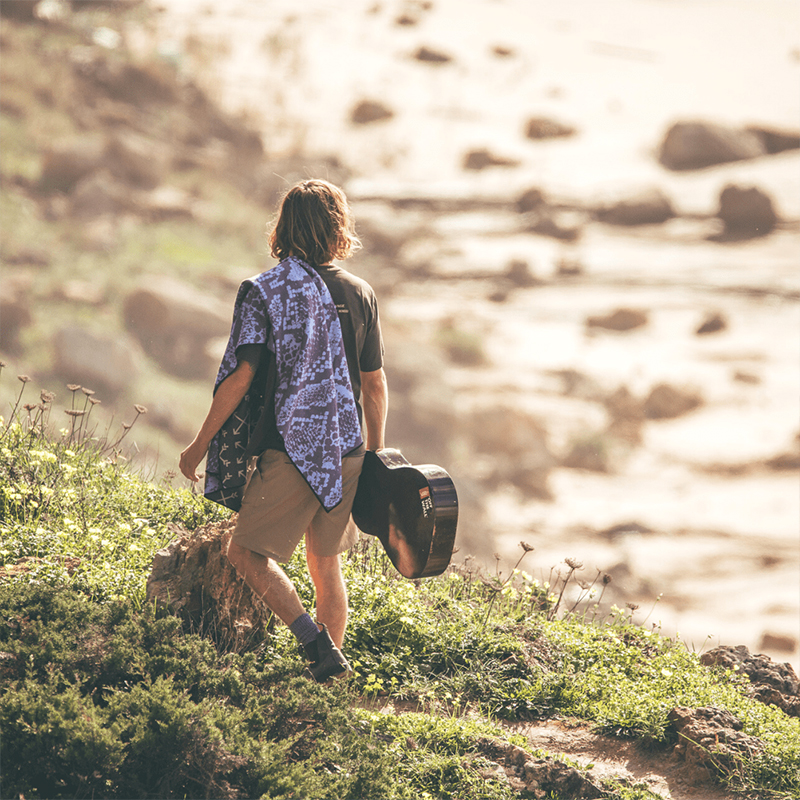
pixel 614 758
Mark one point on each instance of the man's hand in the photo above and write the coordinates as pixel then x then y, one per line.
pixel 227 397
pixel 190 460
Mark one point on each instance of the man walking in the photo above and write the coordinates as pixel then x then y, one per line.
pixel 301 377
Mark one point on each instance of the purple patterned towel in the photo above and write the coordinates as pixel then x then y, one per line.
pixel 314 405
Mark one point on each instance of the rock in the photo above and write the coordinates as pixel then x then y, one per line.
pixel 370 111
pixel 623 319
pixel 588 454
pixel 746 377
pixel 481 159
pixel 173 322
pixel 713 323
pixel 625 414
pixel 776 141
pixel 15 316
pixel 710 743
pixel 565 226
pixel 546 128
pixel 142 85
pixel 694 145
pixel 67 161
pixel 530 200
pixel 518 274
pixel 99 194
pixel 746 211
pixel 556 779
pixel 430 56
pixel 193 578
pixel 98 361
pixel 784 643
pixel 667 402
pixel 165 202
pixel 136 160
pixel 651 207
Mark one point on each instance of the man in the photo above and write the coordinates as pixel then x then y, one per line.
pixel 302 373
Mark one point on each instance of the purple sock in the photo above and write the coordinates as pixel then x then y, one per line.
pixel 305 629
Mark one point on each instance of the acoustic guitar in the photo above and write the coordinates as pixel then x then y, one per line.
pixel 413 510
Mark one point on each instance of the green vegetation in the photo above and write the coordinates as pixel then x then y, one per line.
pixel 106 696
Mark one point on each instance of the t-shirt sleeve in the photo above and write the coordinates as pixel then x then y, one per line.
pixel 371 357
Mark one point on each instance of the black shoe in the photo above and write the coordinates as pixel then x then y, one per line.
pixel 327 660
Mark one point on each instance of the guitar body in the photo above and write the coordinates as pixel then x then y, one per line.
pixel 413 510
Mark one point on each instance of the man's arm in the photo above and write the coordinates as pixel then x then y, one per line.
pixel 375 399
pixel 226 399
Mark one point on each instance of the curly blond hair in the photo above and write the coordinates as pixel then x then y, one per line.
pixel 314 223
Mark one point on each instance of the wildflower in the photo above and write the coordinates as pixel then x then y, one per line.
pixel 94 401
pixel 23 378
pixel 47 397
pixel 573 563
pixel 87 392
pixel 632 606
pixel 140 409
pixel 526 547
pixel 606 579
pixel 73 387
pixel 74 412
pixel 29 407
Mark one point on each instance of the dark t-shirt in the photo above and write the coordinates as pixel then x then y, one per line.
pixel 363 345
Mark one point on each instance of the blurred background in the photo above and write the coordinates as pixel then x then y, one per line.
pixel 581 218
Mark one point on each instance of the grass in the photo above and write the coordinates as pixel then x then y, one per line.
pixel 98 681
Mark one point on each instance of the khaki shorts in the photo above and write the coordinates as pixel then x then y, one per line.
pixel 278 507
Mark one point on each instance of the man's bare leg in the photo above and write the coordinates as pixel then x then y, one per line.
pixel 266 578
pixel 326 572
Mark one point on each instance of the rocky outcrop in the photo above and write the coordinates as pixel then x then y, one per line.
pixel 174 322
pixel 622 319
pixel 370 111
pixel 546 128
pixel 193 578
pixel 711 743
pixel 713 323
pixel 776 140
pixel 649 207
pixel 694 145
pixel 746 211
pixel 110 363
pixel 483 158
pixel 541 777
pixel 667 402
pixel 771 683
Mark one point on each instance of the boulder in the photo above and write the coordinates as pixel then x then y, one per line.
pixel 713 323
pixel 650 207
pixel 136 160
pixel 370 111
pixel 554 778
pixel 625 415
pixel 546 128
pixel 483 158
pixel 775 140
pixel 174 322
pixel 697 144
pixel 430 56
pixel 588 454
pixel 15 316
pixel 193 578
pixel 109 363
pixel 100 194
pixel 771 683
pixel 67 161
pixel 667 402
pixel 622 319
pixel 566 226
pixel 711 743
pixel 746 211
pixel 530 200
